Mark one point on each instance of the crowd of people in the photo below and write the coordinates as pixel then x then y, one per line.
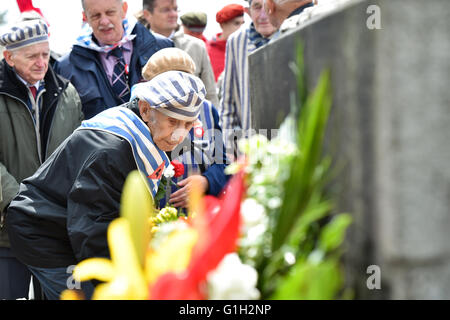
pixel 134 93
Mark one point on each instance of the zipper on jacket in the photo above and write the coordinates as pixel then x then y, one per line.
pixel 56 94
pixel 37 122
pixel 2 220
pixel 51 121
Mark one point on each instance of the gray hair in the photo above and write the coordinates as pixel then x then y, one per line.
pixel 84 7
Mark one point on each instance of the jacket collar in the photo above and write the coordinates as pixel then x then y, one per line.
pixel 216 42
pixel 300 9
pixel 139 49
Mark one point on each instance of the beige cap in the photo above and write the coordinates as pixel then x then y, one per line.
pixel 168 59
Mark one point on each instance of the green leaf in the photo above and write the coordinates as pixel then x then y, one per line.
pixel 333 234
pixel 302 181
pixel 161 193
pixel 309 281
pixel 314 213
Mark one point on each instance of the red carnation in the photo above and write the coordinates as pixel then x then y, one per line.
pixel 178 167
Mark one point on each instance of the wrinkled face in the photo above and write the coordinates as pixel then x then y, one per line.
pixel 105 17
pixel 232 25
pixel 31 62
pixel 163 19
pixel 260 19
pixel 167 132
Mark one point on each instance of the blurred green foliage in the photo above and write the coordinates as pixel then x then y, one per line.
pixel 299 254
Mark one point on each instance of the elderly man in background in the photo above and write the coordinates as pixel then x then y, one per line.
pixel 230 18
pixel 161 17
pixel 61 214
pixel 38 110
pixel 285 14
pixel 108 57
pixel 235 110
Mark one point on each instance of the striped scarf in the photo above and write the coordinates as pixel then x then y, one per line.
pixel 124 123
pixel 85 39
pixel 255 37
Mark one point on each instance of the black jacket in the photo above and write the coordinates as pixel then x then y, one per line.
pixel 61 214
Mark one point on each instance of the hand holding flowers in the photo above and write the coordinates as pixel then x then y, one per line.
pixel 174 170
pixel 179 198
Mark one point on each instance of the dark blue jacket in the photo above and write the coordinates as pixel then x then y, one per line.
pixel 84 69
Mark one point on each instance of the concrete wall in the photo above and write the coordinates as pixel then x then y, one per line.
pixel 389 134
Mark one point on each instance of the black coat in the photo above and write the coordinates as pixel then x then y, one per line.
pixel 61 214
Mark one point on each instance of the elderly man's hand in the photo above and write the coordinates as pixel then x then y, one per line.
pixel 180 197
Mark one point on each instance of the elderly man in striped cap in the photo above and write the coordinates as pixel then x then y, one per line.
pixel 202 153
pixel 61 214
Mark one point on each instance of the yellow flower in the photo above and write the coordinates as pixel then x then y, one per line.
pixel 137 208
pixel 72 295
pixel 134 265
pixel 128 239
pixel 123 274
pixel 173 255
pixel 166 214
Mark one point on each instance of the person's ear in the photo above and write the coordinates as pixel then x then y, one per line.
pixel 146 15
pixel 144 110
pixel 246 10
pixel 8 58
pixel 270 6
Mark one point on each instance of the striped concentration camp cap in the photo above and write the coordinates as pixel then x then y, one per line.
pixel 24 33
pixel 176 94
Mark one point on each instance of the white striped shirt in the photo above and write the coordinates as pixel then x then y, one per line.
pixel 235 112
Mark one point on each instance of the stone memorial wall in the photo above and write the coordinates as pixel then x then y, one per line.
pixel 389 134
